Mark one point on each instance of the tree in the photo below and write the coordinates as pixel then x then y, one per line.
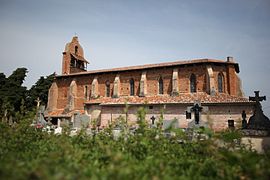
pixel 12 92
pixel 15 98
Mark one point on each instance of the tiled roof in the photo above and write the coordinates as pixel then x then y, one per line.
pixel 148 66
pixel 62 113
pixel 186 98
pixel 79 57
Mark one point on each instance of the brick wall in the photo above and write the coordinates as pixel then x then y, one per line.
pixel 231 80
pixel 184 78
pixel 125 78
pixel 153 75
pixel 222 70
pixel 218 114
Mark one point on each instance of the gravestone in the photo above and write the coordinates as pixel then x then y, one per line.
pixel 81 120
pixel 196 122
pixel 188 115
pixel 256 132
pixel 170 124
pixel 153 120
pixel 196 109
pixel 258 121
pixel 40 116
pixel 244 121
pixel 231 124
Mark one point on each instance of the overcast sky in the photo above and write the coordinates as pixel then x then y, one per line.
pixel 118 33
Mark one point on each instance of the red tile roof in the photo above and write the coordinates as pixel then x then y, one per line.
pixel 62 113
pixel 79 57
pixel 186 98
pixel 148 66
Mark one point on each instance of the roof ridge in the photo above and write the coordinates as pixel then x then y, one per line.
pixel 153 65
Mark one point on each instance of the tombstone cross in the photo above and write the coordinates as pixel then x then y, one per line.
pixel 197 109
pixel 257 97
pixel 258 121
pixel 153 120
pixel 38 102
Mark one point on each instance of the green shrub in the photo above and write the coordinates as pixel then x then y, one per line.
pixel 27 153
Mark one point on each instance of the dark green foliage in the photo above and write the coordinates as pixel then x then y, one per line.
pixel 230 136
pixel 15 99
pixel 27 153
pixel 12 92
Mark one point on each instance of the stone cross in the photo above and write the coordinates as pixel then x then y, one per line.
pixel 38 102
pixel 196 109
pixel 258 121
pixel 153 120
pixel 257 98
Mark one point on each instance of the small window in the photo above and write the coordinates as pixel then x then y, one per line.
pixel 151 107
pixel 160 86
pixel 76 50
pixel 193 88
pixel 231 123
pixel 107 88
pixel 85 92
pixel 131 84
pixel 72 63
pixel 220 83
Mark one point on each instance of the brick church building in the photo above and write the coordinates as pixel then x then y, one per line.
pixel 173 87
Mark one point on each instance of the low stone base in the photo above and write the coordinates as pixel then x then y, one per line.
pixel 252 132
pixel 259 144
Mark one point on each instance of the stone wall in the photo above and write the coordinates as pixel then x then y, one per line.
pixel 215 116
pixel 259 144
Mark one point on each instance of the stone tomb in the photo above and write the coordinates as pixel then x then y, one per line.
pixel 257 131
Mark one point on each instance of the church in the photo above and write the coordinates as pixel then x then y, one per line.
pixel 199 91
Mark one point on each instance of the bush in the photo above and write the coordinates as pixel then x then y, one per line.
pixel 27 153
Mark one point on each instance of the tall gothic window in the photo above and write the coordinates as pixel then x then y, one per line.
pixel 131 86
pixel 160 85
pixel 76 50
pixel 85 92
pixel 193 83
pixel 220 83
pixel 72 63
pixel 107 88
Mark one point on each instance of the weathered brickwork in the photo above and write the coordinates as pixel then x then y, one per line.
pixel 167 85
pixel 220 70
pixel 125 78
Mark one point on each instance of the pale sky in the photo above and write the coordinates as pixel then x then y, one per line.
pixel 117 33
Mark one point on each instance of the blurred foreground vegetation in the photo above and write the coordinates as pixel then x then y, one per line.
pixel 29 153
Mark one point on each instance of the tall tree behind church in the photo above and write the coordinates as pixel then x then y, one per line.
pixel 12 93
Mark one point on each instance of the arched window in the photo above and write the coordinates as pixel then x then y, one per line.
pixel 160 86
pixel 107 88
pixel 72 63
pixel 131 86
pixel 85 92
pixel 193 83
pixel 76 49
pixel 220 83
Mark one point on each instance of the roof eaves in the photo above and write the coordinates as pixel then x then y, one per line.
pixel 150 66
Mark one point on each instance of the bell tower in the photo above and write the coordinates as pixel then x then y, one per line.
pixel 73 58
